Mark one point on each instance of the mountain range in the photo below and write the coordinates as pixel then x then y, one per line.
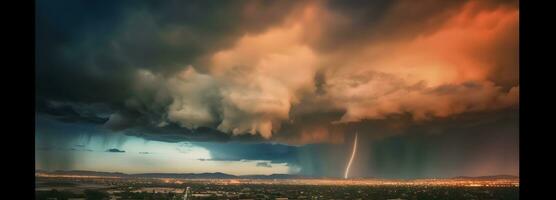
pixel 216 175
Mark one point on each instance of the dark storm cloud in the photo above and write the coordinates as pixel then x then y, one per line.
pixel 68 63
pixel 387 20
pixel 177 71
pixel 74 113
pixel 474 144
pixel 399 148
pixel 88 53
pixel 488 147
pixel 173 133
pixel 114 150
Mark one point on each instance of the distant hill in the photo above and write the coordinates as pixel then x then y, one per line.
pixel 219 175
pixel 83 173
pixel 216 175
pixel 487 177
pixel 275 176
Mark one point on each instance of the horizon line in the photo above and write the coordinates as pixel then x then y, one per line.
pixel 300 175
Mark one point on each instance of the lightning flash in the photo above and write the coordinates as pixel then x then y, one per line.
pixel 352 156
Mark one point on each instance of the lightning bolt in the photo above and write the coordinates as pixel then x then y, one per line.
pixel 352 156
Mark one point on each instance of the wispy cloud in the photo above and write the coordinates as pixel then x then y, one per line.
pixel 114 150
pixel 264 164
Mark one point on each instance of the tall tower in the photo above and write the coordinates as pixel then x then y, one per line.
pixel 187 193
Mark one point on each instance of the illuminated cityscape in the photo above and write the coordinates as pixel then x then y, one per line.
pixel 166 188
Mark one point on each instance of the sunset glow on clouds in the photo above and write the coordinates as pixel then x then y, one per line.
pixel 252 86
pixel 288 75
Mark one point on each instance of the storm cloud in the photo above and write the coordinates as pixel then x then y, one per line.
pixel 244 68
pixel 114 150
pixel 277 76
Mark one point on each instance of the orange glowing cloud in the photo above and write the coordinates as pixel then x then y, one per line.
pixel 442 70
pixel 438 74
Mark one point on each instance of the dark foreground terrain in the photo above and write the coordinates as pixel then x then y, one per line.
pixel 119 188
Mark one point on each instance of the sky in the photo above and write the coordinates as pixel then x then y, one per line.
pixel 431 88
